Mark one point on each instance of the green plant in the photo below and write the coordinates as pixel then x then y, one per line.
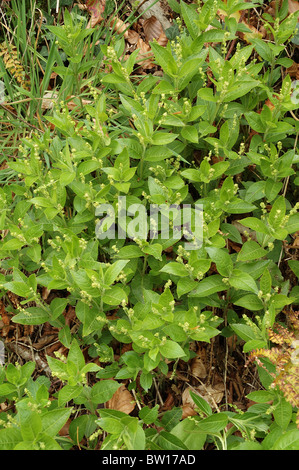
pixel 218 130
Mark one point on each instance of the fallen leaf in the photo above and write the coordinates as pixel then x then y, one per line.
pixel 118 26
pixel 293 6
pixel 5 318
pixel 255 33
pixel 152 28
pixel 64 431
pixel 212 394
pixel 49 99
pixel 162 39
pixel 198 369
pixel 168 403
pixel 293 71
pixel 122 400
pixel 132 36
pixel 45 293
pixel 96 9
pixel 145 56
pixel 269 104
pixel 188 411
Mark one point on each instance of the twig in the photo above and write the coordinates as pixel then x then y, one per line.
pixel 21 119
pixel 27 354
pixel 158 393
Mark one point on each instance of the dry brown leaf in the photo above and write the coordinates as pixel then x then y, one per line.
pixel 188 411
pixel 132 36
pixel 198 369
pixel 122 400
pixel 162 39
pixel 96 9
pixel 118 26
pixel 64 431
pixel 296 239
pixel 45 293
pixel 5 330
pixel 49 99
pixel 152 28
pixel 5 318
pixel 249 36
pixel 168 403
pixel 212 394
pixel 293 6
pixel 145 56
pixel 293 71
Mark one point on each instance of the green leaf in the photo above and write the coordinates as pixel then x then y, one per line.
pixel 250 302
pixel 254 121
pixel 192 175
pixel 239 207
pixel 154 250
pixel 102 391
pixel 240 89
pixel 213 424
pixel 163 138
pixel 255 224
pixel 168 441
pixel 272 188
pixel 114 296
pixel 67 393
pixel 31 425
pixel 190 17
pixel 185 285
pixel 177 269
pixel 157 153
pixel 57 306
pixel 13 244
pixel 209 286
pixel 222 260
pixel 88 316
pixel 9 438
pixel 292 224
pixel 134 436
pixel 190 133
pixel 129 252
pixel 263 49
pixel 113 271
pixel 260 396
pixel 75 355
pixel 18 288
pixel 277 212
pixel 42 202
pixel 294 265
pixel 189 434
pixel 253 344
pixel 171 350
pixel 202 404
pixel 243 281
pixel 244 331
pixel 31 316
pixel 7 389
pixel 283 413
pixel 266 282
pixel 251 250
pixel 207 95
pixel 288 441
pixel 164 58
pixel 149 415
pixel 54 420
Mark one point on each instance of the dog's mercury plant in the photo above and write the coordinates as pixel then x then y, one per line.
pixel 130 207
